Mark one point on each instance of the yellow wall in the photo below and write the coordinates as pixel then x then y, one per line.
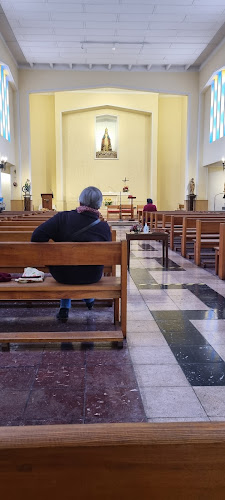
pixel 42 135
pixel 137 142
pixel 172 132
pixel 151 155
pixel 82 169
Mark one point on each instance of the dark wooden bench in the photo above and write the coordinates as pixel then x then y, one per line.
pixel 169 461
pixel 207 236
pixel 121 210
pixel 15 235
pixel 41 255
pixel 220 253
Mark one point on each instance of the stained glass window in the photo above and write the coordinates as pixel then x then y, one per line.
pixel 217 116
pixel 4 104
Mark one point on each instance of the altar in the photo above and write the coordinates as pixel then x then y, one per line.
pixel 115 196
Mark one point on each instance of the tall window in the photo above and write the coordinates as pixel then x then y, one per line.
pixel 4 104
pixel 217 116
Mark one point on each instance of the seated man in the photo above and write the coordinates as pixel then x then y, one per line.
pixel 82 224
pixel 150 207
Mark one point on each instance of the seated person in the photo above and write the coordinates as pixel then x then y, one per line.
pixel 82 224
pixel 150 207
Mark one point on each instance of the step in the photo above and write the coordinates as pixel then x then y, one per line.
pixel 42 337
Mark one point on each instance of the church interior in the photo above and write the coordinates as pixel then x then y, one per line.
pixel 129 97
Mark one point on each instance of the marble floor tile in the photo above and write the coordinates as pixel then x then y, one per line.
pixel 212 400
pixel 152 355
pixel 204 326
pixel 139 305
pixel 146 339
pixel 220 349
pixel 140 315
pixel 185 419
pixel 163 376
pixel 142 326
pixel 179 402
pixel 166 306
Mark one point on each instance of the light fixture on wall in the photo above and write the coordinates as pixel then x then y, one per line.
pixel 3 162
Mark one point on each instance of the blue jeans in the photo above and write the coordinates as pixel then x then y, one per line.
pixel 67 302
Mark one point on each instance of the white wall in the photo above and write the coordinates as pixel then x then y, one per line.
pixel 215 186
pixel 6 189
pixel 10 148
pixel 210 153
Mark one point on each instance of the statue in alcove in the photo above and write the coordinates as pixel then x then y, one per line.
pixel 106 147
pixel 106 142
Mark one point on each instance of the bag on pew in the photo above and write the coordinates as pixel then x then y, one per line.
pixel 31 274
pixel 5 277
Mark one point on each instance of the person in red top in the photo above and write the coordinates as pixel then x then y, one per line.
pixel 150 207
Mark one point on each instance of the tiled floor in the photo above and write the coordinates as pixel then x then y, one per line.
pixel 176 336
pixel 172 368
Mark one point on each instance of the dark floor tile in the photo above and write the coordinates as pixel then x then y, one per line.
pixel 114 405
pixel 110 376
pixel 51 421
pixel 141 276
pixel 173 325
pixel 24 358
pixel 193 338
pixel 172 266
pixel 112 357
pixel 195 354
pixel 147 246
pixel 18 378
pixel 168 315
pixel 211 314
pixel 59 376
pixel 208 374
pixel 62 405
pixel 209 296
pixel 12 403
pixel 63 358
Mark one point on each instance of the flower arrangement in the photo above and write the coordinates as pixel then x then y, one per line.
pixel 27 187
pixel 108 201
pixel 125 189
pixel 137 228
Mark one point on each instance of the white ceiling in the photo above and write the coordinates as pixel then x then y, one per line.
pixel 117 34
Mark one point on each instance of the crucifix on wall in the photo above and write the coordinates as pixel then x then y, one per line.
pixel 125 187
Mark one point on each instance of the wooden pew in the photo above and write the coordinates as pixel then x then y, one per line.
pixel 169 461
pixel 221 253
pixel 41 255
pixel 17 228
pixel 189 229
pixel 15 235
pixel 121 211
pixel 207 236
pixel 23 222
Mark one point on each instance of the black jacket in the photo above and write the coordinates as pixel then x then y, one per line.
pixel 61 227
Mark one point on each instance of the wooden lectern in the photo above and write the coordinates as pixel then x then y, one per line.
pixel 47 200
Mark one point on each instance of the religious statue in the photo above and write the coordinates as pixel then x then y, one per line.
pixel 106 142
pixel 192 186
pixel 106 147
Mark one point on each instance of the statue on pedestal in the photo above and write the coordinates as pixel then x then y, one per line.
pixel 106 147
pixel 192 186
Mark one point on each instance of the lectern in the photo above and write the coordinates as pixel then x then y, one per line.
pixel 47 200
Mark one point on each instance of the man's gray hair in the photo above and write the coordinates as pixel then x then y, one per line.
pixel 91 197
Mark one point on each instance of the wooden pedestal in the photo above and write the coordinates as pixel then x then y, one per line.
pixel 47 200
